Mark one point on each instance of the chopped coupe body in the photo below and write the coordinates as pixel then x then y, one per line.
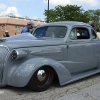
pixel 69 50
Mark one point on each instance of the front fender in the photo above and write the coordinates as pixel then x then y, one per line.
pixel 19 76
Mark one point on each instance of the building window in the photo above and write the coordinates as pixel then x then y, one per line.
pixel 17 27
pixel 2 27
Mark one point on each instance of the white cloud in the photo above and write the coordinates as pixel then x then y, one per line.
pixel 12 10
pixel 89 2
pixel 2 6
pixel 73 2
pixel 57 2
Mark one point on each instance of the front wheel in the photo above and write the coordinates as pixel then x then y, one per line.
pixel 41 79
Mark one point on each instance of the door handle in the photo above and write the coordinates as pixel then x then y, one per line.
pixel 67 46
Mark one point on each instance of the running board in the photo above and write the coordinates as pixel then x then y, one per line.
pixel 82 75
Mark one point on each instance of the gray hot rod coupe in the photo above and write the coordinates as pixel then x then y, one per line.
pixel 68 50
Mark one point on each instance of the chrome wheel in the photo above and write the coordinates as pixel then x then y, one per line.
pixel 42 79
pixel 41 75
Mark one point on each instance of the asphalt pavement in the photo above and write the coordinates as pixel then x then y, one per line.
pixel 89 93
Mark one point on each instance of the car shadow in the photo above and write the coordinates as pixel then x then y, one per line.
pixel 23 90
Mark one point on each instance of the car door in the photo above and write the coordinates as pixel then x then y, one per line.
pixel 80 51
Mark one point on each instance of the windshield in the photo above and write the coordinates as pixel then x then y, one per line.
pixel 51 31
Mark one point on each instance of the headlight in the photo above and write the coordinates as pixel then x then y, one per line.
pixel 18 54
pixel 14 54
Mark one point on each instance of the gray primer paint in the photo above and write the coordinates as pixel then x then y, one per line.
pixel 59 53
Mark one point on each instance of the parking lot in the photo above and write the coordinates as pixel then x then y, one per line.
pixel 85 89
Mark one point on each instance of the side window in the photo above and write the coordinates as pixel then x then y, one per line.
pixel 79 33
pixel 93 34
pixel 73 35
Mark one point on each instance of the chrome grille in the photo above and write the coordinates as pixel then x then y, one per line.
pixel 3 53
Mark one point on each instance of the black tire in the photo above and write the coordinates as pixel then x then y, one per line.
pixel 43 82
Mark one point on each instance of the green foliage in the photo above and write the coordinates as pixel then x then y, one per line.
pixel 74 13
pixel 94 16
pixel 67 13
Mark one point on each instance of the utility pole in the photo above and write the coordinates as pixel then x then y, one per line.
pixel 99 23
pixel 48 13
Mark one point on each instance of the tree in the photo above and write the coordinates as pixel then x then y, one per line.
pixel 94 16
pixel 67 13
pixel 97 18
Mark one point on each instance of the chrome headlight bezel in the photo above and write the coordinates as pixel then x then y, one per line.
pixel 18 54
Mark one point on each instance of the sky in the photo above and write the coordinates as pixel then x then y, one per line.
pixel 34 9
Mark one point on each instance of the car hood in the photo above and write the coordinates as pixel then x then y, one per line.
pixel 28 40
pixel 20 37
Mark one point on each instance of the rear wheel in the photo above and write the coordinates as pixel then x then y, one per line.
pixel 41 79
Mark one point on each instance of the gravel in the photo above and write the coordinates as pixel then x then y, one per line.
pixel 85 89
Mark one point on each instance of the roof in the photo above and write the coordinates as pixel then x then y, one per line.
pixel 70 23
pixel 17 21
pixel 65 23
